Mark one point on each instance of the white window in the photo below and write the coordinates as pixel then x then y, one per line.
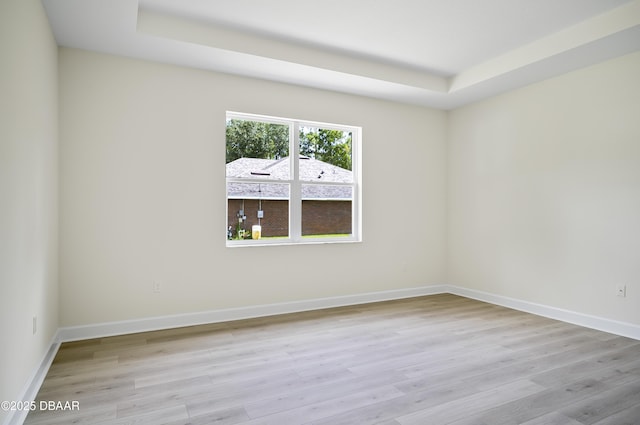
pixel 291 181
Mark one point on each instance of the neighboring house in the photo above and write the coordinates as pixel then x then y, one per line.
pixel 326 209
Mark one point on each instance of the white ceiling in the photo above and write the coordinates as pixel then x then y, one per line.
pixel 438 53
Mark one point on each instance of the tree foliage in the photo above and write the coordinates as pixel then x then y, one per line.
pixel 331 146
pixel 253 139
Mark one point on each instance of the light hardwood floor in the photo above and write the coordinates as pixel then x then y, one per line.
pixel 432 360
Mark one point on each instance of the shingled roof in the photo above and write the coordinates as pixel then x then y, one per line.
pixel 272 170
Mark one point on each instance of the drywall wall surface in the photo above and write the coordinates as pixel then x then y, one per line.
pixel 28 194
pixel 544 192
pixel 143 194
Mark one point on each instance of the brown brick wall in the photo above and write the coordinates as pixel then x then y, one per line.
pixel 276 216
pixel 326 217
pixel 319 217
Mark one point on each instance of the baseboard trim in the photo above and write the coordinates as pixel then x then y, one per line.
pixel 100 330
pixel 33 385
pixel 588 321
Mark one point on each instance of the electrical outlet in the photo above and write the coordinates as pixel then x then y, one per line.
pixel 35 324
pixel 156 287
pixel 621 290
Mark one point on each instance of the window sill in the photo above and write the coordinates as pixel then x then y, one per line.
pixel 289 242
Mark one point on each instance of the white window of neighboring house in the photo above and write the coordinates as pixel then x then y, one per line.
pixel 291 181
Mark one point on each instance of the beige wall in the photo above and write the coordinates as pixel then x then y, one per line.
pixel 28 193
pixel 143 194
pixel 544 192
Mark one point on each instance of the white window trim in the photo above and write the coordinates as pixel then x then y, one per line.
pixel 295 185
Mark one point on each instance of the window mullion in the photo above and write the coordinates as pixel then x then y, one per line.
pixel 296 188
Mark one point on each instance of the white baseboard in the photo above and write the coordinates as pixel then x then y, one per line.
pixel 34 384
pixel 100 330
pixel 588 321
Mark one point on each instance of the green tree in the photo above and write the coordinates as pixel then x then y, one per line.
pixel 331 146
pixel 254 139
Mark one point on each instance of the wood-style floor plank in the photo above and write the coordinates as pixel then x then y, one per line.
pixel 434 360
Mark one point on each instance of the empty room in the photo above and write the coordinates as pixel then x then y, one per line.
pixel 319 212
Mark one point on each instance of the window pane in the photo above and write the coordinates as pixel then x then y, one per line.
pixel 327 210
pixel 257 204
pixel 325 155
pixel 257 150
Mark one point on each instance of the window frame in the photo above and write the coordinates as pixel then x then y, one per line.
pixel 295 199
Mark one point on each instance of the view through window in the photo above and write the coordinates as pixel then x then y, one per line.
pixel 291 181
